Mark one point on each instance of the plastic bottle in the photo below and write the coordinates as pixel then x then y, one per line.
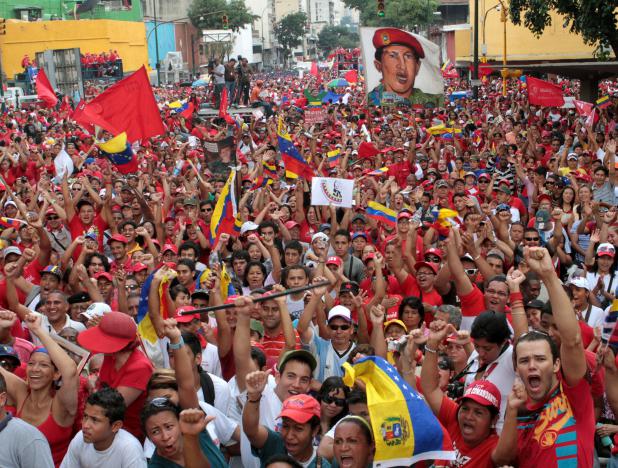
pixel 606 441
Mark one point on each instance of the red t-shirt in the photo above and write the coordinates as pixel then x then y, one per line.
pixel 273 346
pixel 466 456
pixel 472 304
pixel 135 373
pixel 228 365
pixel 78 228
pixel 410 287
pixel 559 431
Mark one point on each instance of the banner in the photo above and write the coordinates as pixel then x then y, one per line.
pixel 543 93
pixel 417 82
pixel 315 116
pixel 330 191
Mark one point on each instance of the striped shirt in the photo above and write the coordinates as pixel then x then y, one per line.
pixel 273 346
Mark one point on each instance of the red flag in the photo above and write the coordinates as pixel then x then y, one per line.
pixel 314 69
pixel 545 94
pixel 583 108
pixel 44 90
pixel 351 76
pixel 367 150
pixel 223 108
pixel 127 106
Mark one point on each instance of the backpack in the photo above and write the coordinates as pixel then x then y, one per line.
pixel 208 387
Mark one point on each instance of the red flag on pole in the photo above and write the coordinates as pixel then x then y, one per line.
pixel 314 69
pixel 127 106
pixel 583 108
pixel 543 93
pixel 223 108
pixel 351 76
pixel 44 90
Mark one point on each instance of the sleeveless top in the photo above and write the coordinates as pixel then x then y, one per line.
pixel 57 436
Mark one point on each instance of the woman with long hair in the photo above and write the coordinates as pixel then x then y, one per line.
pixel 333 402
pixel 48 398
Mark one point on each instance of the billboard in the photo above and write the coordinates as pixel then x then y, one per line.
pixel 401 68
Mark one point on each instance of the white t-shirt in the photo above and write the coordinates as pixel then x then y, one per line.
pixel 222 394
pixel 220 69
pixel 210 360
pixel 125 452
pixel 596 316
pixel 501 373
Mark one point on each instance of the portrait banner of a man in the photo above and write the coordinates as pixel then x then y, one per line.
pixel 401 67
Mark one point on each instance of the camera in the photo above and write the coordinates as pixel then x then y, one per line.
pixel 455 389
pixel 398 345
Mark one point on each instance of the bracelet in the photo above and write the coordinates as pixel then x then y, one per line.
pixel 178 345
pixel 430 350
pixel 518 313
pixel 516 296
pixel 476 258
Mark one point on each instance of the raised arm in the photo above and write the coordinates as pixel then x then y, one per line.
pixel 242 340
pixel 463 285
pixel 257 434
pixel 430 378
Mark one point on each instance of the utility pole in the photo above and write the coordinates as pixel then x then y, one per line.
pixel 475 72
pixel 158 65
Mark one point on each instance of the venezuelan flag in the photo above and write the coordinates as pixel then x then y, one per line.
pixel 603 102
pixel 377 172
pixel 176 104
pixel 118 151
pixel 186 111
pixel 333 157
pixel 8 223
pixel 404 428
pixel 269 170
pixel 381 213
pixel 227 288
pixel 224 214
pixel 295 165
pixel 144 323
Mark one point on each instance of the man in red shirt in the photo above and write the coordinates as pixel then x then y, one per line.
pixel 279 334
pixel 549 420
pixel 471 423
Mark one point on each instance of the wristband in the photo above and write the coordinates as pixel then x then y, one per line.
pixel 516 296
pixel 175 346
pixel 476 258
pixel 430 350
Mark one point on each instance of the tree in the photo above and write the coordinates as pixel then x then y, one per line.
pixel 208 14
pixel 331 37
pixel 404 14
pixel 593 20
pixel 289 32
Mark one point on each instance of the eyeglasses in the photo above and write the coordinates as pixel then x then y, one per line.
pixel 337 401
pixel 432 259
pixel 532 239
pixel 471 271
pixel 339 327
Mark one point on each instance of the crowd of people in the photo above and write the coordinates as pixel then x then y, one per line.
pixel 491 291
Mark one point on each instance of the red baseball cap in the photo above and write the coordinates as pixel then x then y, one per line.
pixel 104 274
pixel 484 393
pixel 171 247
pixel 334 261
pixel 434 251
pixel 432 266
pixel 291 224
pixel 180 318
pixel 119 238
pixel 114 332
pixel 300 408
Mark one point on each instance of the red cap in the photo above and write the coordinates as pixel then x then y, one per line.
pixel 434 251
pixel 544 196
pixel 185 318
pixel 387 36
pixel 119 238
pixel 113 333
pixel 139 266
pixel 334 261
pixel 432 266
pixel 291 224
pixel 171 247
pixel 104 274
pixel 484 393
pixel 404 215
pixel 300 408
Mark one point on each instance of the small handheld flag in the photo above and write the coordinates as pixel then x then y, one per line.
pixel 118 151
pixel 381 213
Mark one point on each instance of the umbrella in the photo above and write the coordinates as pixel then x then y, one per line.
pixel 338 83
pixel 199 82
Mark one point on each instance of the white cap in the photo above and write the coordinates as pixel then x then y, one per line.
pixel 10 202
pixel 319 235
pixel 248 226
pixel 340 311
pixel 96 309
pixel 11 250
pixel 580 282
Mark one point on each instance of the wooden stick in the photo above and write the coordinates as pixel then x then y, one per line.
pixel 266 297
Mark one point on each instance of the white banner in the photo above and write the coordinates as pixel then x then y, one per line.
pixel 330 191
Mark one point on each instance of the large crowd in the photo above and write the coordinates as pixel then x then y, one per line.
pixel 491 293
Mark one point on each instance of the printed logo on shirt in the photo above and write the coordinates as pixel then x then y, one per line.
pixel 555 416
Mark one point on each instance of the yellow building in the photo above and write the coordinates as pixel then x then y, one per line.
pixel 94 36
pixel 556 43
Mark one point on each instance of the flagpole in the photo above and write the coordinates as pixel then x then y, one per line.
pixel 154 7
pixel 266 297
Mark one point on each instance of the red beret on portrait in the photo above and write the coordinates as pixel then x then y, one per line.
pixel 387 36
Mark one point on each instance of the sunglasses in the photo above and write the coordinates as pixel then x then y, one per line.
pixel 161 402
pixel 339 327
pixel 340 402
pixel 132 286
pixel 52 218
pixel 532 239
pixel 471 271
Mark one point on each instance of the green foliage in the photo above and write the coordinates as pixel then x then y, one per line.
pixel 331 37
pixel 207 14
pixel 593 20
pixel 403 14
pixel 289 32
